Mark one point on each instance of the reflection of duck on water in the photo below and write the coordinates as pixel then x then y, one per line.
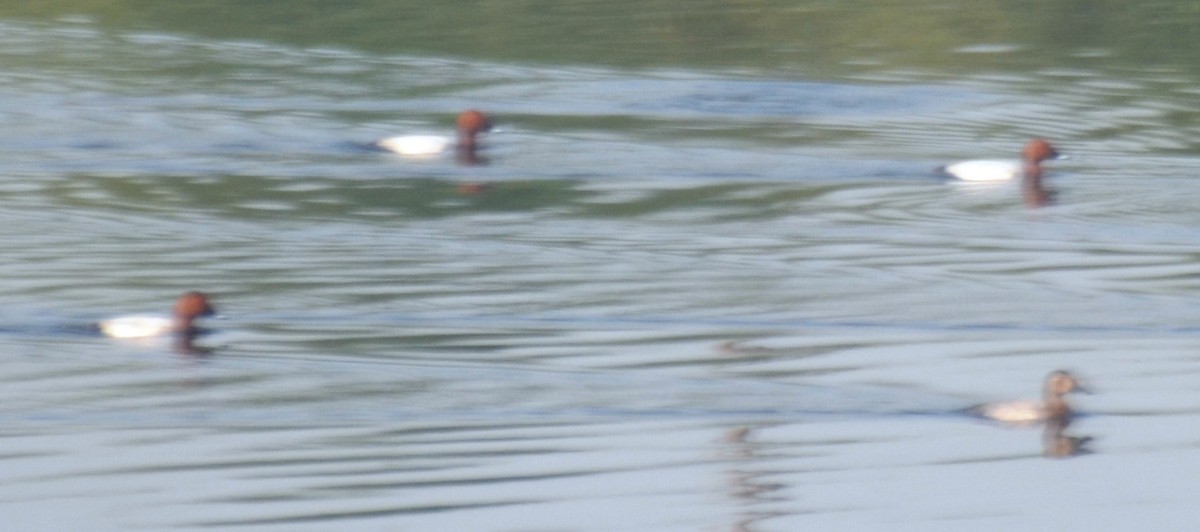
pixel 1056 443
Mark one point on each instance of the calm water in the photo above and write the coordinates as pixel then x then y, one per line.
pixel 710 283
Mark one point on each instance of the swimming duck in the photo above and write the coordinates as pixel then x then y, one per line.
pixel 1035 152
pixel 1051 407
pixel 188 308
pixel 470 124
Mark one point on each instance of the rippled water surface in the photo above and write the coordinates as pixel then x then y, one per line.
pixel 680 294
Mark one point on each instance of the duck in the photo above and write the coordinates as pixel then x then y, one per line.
pixel 1028 167
pixel 470 124
pixel 1053 407
pixel 189 307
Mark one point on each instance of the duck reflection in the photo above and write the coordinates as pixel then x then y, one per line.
pixel 1034 192
pixel 1057 443
pixel 185 344
pixel 746 485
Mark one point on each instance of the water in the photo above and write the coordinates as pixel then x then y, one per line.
pixel 710 282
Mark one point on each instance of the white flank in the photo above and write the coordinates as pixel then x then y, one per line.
pixel 416 145
pixel 1014 411
pixel 985 170
pixel 137 326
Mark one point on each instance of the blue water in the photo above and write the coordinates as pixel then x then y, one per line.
pixel 688 297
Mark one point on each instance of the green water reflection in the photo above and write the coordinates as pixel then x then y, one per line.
pixel 940 36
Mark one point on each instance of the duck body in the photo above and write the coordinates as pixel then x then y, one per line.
pixel 417 145
pixel 137 326
pixel 188 308
pixel 1024 412
pixel 984 170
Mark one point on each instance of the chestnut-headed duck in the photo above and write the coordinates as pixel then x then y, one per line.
pixel 1052 407
pixel 470 124
pixel 1029 167
pixel 189 307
